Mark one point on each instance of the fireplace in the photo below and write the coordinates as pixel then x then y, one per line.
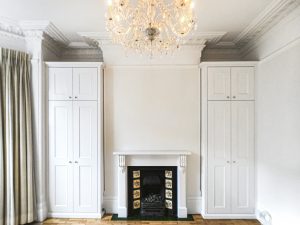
pixel 162 192
pixel 152 191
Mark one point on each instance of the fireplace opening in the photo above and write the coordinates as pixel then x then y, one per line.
pixel 152 191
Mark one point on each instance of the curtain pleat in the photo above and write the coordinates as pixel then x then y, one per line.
pixel 17 205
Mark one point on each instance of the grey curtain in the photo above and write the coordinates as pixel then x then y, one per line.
pixel 17 202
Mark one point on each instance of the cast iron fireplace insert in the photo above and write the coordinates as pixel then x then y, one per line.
pixel 152 191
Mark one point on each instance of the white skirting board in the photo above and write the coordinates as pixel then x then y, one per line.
pixel 75 215
pixel 193 204
pixel 228 216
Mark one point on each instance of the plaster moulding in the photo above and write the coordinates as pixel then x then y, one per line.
pixel 31 27
pixel 35 31
pixel 82 54
pixel 275 12
pixel 52 45
pixel 10 28
pixel 246 41
pixel 200 38
pixel 52 38
pixel 221 54
pixel 189 53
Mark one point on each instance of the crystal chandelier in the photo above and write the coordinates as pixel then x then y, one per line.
pixel 150 26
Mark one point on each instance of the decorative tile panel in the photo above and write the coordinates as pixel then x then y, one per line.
pixel 136 174
pixel 169 204
pixel 168 183
pixel 168 194
pixel 168 174
pixel 136 204
pixel 136 183
pixel 166 204
pixel 136 194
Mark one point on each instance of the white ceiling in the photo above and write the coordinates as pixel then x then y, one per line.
pixel 72 16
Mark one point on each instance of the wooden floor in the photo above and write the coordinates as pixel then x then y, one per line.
pixel 106 220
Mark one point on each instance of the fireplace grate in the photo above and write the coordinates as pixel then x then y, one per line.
pixel 152 191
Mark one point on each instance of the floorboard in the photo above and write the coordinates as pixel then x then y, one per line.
pixel 106 220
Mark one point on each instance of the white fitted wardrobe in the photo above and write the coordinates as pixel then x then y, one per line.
pixel 75 139
pixel 228 139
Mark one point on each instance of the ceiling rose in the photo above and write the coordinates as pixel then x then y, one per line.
pixel 150 26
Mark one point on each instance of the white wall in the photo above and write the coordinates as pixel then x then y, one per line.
pixel 9 42
pixel 278 121
pixel 152 108
pixel 278 136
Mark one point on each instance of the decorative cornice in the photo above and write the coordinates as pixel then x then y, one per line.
pixel 221 54
pixel 277 10
pixel 95 38
pixel 208 37
pixel 33 34
pixel 52 45
pixel 34 31
pixel 225 44
pixel 10 28
pixel 56 34
pixel 201 38
pixel 43 33
pixel 76 45
pixel 43 30
pixel 283 34
pixel 31 28
pixel 247 40
pixel 82 54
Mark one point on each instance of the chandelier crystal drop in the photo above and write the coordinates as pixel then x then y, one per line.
pixel 150 26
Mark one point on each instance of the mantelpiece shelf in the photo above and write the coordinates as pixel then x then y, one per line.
pixel 156 152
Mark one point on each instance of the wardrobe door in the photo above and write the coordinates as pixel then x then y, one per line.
pixel 218 83
pixel 85 156
pixel 85 83
pixel 60 84
pixel 60 157
pixel 219 177
pixel 242 157
pixel 242 83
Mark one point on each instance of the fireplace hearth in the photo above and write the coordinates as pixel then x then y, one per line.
pixel 152 191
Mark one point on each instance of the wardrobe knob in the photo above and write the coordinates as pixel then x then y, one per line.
pixel 76 161
pixel 228 161
pixel 76 97
pixel 70 161
pixel 70 97
pixel 228 97
pixel 234 97
pixel 234 161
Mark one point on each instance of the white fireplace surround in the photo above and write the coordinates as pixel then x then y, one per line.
pixel 152 158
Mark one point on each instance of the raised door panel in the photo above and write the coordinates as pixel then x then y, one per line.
pixel 243 157
pixel 85 156
pixel 218 83
pixel 242 83
pixel 60 157
pixel 85 83
pixel 60 84
pixel 219 157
